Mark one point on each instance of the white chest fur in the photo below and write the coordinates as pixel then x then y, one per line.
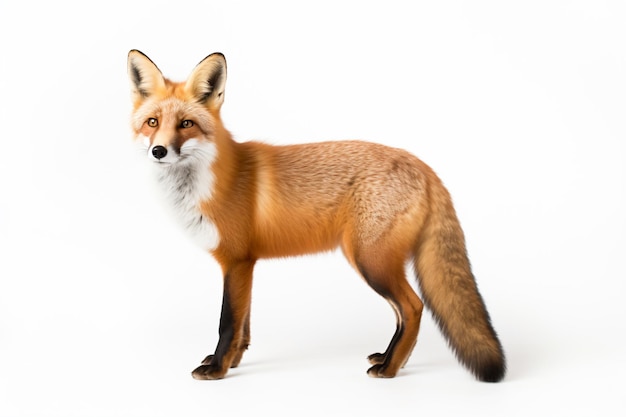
pixel 187 183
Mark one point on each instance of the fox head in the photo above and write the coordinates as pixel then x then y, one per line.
pixel 175 123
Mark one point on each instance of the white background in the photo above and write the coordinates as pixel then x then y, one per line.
pixel 105 307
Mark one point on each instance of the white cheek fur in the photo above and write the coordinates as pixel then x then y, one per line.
pixel 186 184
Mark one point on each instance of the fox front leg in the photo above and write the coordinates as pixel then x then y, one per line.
pixel 234 329
pixel 245 342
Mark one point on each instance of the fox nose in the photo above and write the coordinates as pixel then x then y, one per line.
pixel 159 152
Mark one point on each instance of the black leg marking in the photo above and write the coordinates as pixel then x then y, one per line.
pixel 226 330
pixel 212 366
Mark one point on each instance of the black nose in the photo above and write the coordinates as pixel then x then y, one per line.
pixel 159 152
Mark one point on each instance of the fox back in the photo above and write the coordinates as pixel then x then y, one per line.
pixel 243 201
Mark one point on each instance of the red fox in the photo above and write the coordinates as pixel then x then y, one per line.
pixel 243 201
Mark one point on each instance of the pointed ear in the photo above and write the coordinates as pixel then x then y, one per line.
pixel 145 77
pixel 208 80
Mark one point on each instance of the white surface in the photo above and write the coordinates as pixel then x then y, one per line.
pixel 105 307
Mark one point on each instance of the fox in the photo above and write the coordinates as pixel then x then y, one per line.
pixel 244 201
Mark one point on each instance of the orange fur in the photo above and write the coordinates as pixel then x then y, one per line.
pixel 382 206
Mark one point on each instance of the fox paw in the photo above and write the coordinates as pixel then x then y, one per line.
pixel 376 358
pixel 208 372
pixel 380 371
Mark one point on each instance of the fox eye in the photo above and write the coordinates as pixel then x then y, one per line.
pixel 186 124
pixel 152 122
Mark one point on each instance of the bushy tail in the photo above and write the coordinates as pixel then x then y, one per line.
pixel 449 291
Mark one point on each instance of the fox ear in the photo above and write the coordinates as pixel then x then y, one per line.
pixel 145 77
pixel 207 81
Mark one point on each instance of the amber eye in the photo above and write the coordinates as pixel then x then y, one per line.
pixel 186 124
pixel 152 122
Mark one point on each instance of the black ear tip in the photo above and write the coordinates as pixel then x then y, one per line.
pixel 136 53
pixel 217 55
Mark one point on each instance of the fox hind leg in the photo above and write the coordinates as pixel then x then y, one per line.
pixel 390 282
pixel 379 358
